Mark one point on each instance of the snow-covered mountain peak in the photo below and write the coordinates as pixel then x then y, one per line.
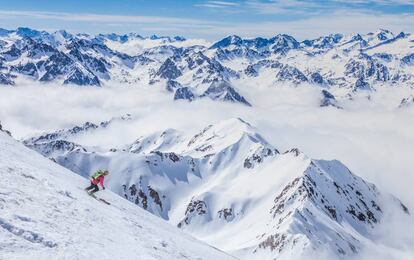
pixel 226 133
pixel 233 136
pixel 316 209
pixel 160 141
pixel 383 34
pixel 227 42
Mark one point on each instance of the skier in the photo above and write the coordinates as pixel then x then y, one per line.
pixel 97 178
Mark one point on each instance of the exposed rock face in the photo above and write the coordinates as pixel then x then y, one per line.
pixel 317 78
pixel 51 148
pixel 408 60
pixel 292 74
pixel 407 102
pixel 4 130
pixel 184 93
pixel 226 214
pixel 6 79
pixel 78 78
pixel 222 90
pixel 361 84
pixel 259 156
pixel 196 209
pixel 146 197
pixel 328 100
pixel 169 70
pixel 172 85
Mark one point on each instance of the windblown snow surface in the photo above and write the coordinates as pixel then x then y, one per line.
pixel 45 214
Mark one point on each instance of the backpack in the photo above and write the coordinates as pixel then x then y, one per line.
pixel 97 174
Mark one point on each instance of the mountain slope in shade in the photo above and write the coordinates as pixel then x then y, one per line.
pixel 46 214
pixel 228 186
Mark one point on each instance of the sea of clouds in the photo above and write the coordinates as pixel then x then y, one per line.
pixel 373 138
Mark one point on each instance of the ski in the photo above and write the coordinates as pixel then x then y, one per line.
pixel 104 201
pixel 99 199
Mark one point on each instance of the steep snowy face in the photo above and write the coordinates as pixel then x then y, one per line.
pixel 45 213
pixel 346 64
pixel 229 187
pixel 325 207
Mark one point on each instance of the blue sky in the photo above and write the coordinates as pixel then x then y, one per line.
pixel 210 19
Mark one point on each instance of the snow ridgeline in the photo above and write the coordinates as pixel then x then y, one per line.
pixel 45 214
pixel 229 187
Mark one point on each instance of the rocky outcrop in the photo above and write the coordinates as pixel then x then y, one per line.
pixel 4 130
pixel 407 102
pixel 196 210
pixel 328 100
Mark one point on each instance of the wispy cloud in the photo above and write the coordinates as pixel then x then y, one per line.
pixel 90 17
pixel 218 4
pixel 304 26
pixel 281 6
pixel 341 21
pixel 378 2
pixel 312 7
pixel 144 23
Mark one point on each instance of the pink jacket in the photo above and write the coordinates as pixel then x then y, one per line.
pixel 99 180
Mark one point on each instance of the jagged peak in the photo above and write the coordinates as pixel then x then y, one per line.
pixel 325 190
pixel 283 36
pixel 227 41
pixel 224 134
pixel 295 152
pixel 28 31
pixel 383 34
pixel 64 33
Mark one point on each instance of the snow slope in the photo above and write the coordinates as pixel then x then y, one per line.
pixel 45 214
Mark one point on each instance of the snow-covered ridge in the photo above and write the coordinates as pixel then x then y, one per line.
pixel 46 214
pixel 341 65
pixel 228 179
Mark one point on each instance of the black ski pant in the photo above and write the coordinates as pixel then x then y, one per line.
pixel 93 188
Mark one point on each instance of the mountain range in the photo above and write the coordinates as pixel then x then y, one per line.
pixel 341 66
pixel 226 185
